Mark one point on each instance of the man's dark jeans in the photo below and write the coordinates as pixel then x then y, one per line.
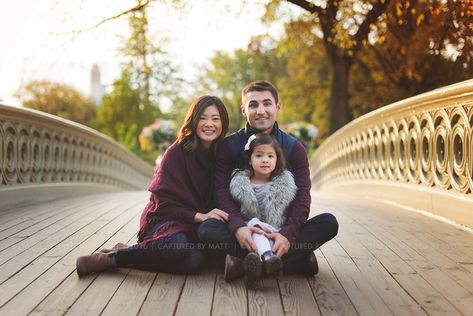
pixel 172 254
pixel 318 230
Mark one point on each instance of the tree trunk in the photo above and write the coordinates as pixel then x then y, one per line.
pixel 339 112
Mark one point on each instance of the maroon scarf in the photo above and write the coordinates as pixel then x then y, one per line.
pixel 182 185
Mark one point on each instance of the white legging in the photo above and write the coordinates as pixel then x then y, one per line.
pixel 263 244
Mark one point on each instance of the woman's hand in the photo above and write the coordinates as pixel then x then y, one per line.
pixel 215 214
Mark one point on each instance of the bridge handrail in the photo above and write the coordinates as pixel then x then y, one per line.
pixel 38 149
pixel 422 145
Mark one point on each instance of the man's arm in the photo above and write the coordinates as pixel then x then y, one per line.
pixel 299 209
pixel 224 167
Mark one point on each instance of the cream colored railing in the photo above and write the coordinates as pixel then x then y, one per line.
pixel 416 152
pixel 42 151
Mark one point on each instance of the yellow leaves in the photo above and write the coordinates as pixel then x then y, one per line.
pixel 372 26
pixel 350 53
pixel 409 73
pixel 413 11
pixel 419 19
pixel 381 39
pixel 398 9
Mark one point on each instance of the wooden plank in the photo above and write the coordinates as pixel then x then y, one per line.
pixel 365 299
pixel 296 296
pixel 197 294
pixel 395 297
pixel 129 297
pixel 20 280
pixel 329 294
pixel 21 220
pixel 29 228
pixel 229 298
pixel 35 292
pixel 33 209
pixel 61 228
pixel 417 287
pixel 455 285
pixel 265 300
pixel 63 297
pixel 164 295
pixel 375 219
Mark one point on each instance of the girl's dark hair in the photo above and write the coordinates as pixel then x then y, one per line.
pixel 187 136
pixel 265 139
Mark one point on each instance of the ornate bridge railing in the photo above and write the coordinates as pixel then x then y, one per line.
pixel 417 152
pixel 43 155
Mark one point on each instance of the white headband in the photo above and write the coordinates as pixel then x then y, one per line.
pixel 248 143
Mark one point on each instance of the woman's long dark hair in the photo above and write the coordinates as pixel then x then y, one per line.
pixel 265 139
pixel 187 136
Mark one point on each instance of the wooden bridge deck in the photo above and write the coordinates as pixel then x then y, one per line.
pixel 385 261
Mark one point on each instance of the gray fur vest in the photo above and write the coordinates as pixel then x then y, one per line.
pixel 282 190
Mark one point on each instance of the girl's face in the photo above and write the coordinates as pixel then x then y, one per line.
pixel 263 160
pixel 209 126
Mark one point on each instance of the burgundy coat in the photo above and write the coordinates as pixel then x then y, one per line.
pixel 182 186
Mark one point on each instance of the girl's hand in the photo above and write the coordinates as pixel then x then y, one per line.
pixel 215 214
pixel 281 244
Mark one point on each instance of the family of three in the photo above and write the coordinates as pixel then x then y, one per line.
pixel 244 198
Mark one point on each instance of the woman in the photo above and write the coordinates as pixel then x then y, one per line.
pixel 181 197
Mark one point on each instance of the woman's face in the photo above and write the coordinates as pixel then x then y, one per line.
pixel 209 126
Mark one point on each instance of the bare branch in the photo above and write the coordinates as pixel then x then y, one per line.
pixel 119 15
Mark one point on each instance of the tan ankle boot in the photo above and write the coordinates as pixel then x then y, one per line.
pixel 117 246
pixel 96 262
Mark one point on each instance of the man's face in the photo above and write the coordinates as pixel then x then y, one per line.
pixel 260 110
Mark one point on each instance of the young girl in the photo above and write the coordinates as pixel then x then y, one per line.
pixel 264 189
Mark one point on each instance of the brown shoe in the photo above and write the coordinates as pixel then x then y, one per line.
pixel 253 267
pixel 96 262
pixel 272 264
pixel 233 268
pixel 117 246
pixel 312 267
pixel 307 266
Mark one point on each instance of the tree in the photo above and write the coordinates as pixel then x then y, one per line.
pixel 147 77
pixel 57 99
pixel 349 27
pixel 304 90
pixel 119 117
pixel 433 41
pixel 422 45
pixel 345 26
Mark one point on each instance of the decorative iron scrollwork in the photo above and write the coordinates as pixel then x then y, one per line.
pixel 429 143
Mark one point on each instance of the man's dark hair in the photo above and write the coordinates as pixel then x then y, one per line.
pixel 260 85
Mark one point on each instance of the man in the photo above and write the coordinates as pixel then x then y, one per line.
pixel 298 237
